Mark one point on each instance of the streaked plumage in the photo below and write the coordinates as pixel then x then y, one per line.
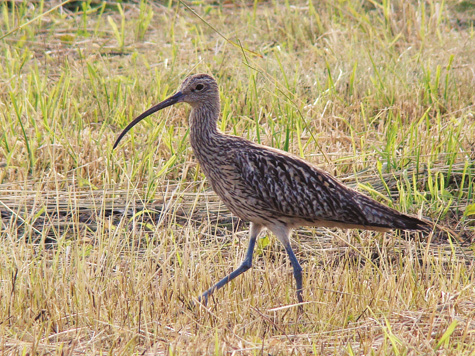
pixel 272 188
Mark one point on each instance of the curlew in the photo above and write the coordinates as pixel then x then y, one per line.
pixel 271 188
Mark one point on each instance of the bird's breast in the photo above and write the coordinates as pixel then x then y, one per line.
pixel 229 185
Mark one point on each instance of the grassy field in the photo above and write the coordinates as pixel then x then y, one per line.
pixel 101 251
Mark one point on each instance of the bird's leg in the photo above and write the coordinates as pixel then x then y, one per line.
pixel 282 233
pixel 245 265
pixel 297 272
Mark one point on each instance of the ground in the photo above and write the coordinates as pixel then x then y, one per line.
pixel 103 252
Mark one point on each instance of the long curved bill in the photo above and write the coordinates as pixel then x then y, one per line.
pixel 167 102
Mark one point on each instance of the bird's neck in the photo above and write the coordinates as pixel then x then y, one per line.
pixel 203 129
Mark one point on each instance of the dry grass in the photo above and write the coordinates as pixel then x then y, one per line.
pixel 102 251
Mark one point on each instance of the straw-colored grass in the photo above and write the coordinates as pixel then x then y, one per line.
pixel 102 251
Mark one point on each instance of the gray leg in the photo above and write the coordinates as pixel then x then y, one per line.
pixel 245 265
pixel 283 234
pixel 297 271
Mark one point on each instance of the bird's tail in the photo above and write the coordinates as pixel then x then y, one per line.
pixel 387 217
pixel 411 223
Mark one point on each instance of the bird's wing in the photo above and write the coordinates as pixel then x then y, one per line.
pixel 292 187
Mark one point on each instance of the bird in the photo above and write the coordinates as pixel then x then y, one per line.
pixel 271 188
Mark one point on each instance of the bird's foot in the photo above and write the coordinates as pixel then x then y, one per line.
pixel 300 299
pixel 203 299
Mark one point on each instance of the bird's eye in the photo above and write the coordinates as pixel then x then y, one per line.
pixel 199 87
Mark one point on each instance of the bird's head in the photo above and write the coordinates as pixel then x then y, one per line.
pixel 196 90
